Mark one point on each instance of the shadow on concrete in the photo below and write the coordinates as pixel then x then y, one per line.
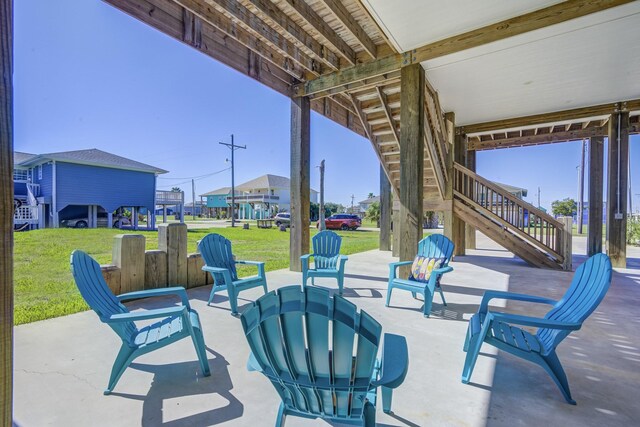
pixel 363 277
pixel 173 382
pixel 353 293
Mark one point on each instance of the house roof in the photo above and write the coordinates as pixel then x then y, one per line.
pixel 93 157
pixel 370 200
pixel 512 189
pixel 218 192
pixel 266 181
pixel 19 157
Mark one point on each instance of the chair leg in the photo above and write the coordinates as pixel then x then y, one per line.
pixel 264 286
pixel 198 343
pixel 304 279
pixel 233 299
pixel 415 295
pixel 473 349
pixel 428 302
pixel 387 397
pixel 465 347
pixel 123 360
pixel 369 415
pixel 444 302
pixel 340 284
pixel 214 288
pixel 552 365
pixel 313 281
pixel 389 290
pixel 282 416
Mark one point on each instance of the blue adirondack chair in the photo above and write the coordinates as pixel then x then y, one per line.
pixel 219 260
pixel 327 261
pixel 588 287
pixel 317 375
pixel 433 246
pixel 176 322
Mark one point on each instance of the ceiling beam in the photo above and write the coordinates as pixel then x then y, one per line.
pixel 387 112
pixel 556 116
pixel 537 139
pixel 279 20
pixel 555 14
pixel 337 8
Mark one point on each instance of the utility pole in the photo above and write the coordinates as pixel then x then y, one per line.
pixel 193 199
pixel 581 189
pixel 352 197
pixel 233 148
pixel 539 197
pixel 321 213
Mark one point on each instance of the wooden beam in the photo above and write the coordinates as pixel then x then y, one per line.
pixel 411 161
pixel 282 23
pixel 458 226
pixel 470 230
pixel 385 211
pixel 6 212
pixel 348 21
pixel 555 14
pixel 596 182
pixel 387 113
pixel 536 139
pixel 556 116
pixel 617 185
pixel 300 171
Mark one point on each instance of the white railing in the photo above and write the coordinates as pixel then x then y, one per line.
pixel 26 214
pixel 254 198
pixel 169 197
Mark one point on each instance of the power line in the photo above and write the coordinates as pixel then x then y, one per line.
pixel 198 177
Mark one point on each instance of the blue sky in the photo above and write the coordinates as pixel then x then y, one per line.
pixel 90 76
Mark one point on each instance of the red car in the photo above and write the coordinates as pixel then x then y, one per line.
pixel 342 222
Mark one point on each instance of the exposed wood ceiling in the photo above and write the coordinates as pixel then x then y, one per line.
pixel 486 62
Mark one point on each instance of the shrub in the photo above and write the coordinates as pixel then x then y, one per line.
pixel 633 231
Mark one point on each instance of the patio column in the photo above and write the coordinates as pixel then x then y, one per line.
pixel 470 230
pixel 6 212
pixel 617 180
pixel 300 171
pixel 454 227
pixel 596 181
pixel 385 211
pixel 412 84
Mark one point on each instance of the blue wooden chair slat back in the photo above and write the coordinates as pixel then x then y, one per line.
pixel 95 291
pixel 313 370
pixel 326 249
pixel 436 246
pixel 588 287
pixel 216 252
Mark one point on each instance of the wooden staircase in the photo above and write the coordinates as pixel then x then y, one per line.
pixel 523 229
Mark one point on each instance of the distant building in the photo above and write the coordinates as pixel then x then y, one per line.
pixel 258 198
pixel 363 206
pixel 81 184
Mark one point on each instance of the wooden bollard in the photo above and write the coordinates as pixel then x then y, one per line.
pixel 128 256
pixel 111 275
pixel 155 271
pixel 172 239
pixel 196 277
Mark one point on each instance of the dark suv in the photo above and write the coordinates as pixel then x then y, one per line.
pixel 342 222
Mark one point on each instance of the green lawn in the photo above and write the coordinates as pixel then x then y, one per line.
pixel 44 287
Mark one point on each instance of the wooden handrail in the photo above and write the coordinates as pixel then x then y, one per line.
pixel 540 228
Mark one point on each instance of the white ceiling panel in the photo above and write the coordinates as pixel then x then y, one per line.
pixel 413 23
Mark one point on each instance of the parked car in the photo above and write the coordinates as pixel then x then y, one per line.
pixel 283 218
pixel 342 222
pixel 83 222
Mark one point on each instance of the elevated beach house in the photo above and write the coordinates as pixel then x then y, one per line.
pixel 81 184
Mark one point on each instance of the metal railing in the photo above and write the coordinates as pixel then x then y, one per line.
pixel 532 224
pixel 169 197
pixel 26 214
pixel 254 198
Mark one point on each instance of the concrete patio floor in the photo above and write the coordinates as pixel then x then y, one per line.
pixel 62 365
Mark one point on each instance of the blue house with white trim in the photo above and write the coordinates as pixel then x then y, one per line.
pixel 74 184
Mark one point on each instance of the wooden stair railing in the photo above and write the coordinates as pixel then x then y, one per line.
pixel 521 218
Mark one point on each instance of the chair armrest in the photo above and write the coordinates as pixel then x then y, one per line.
pixel 304 259
pixel 393 268
pixel 307 256
pixel 395 361
pixel 342 260
pixel 533 321
pixel 147 314
pixel 175 290
pixel 489 295
pixel 217 270
pixel 250 262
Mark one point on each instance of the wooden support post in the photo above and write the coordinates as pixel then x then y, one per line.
pixel 470 230
pixel 617 184
pixel 195 275
pixel 454 227
pixel 458 226
pixel 596 181
pixel 300 171
pixel 385 211
pixel 111 275
pixel 567 244
pixel 155 269
pixel 412 83
pixel 6 212
pixel 395 218
pixel 129 257
pixel 172 239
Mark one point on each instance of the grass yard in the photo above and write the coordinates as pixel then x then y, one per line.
pixel 44 288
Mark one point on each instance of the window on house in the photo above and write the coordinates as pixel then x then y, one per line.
pixel 20 175
pixel 39 172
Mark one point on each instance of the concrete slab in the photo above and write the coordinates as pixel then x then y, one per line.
pixel 62 365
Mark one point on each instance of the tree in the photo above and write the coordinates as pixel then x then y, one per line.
pixel 373 212
pixel 176 189
pixel 332 208
pixel 566 207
